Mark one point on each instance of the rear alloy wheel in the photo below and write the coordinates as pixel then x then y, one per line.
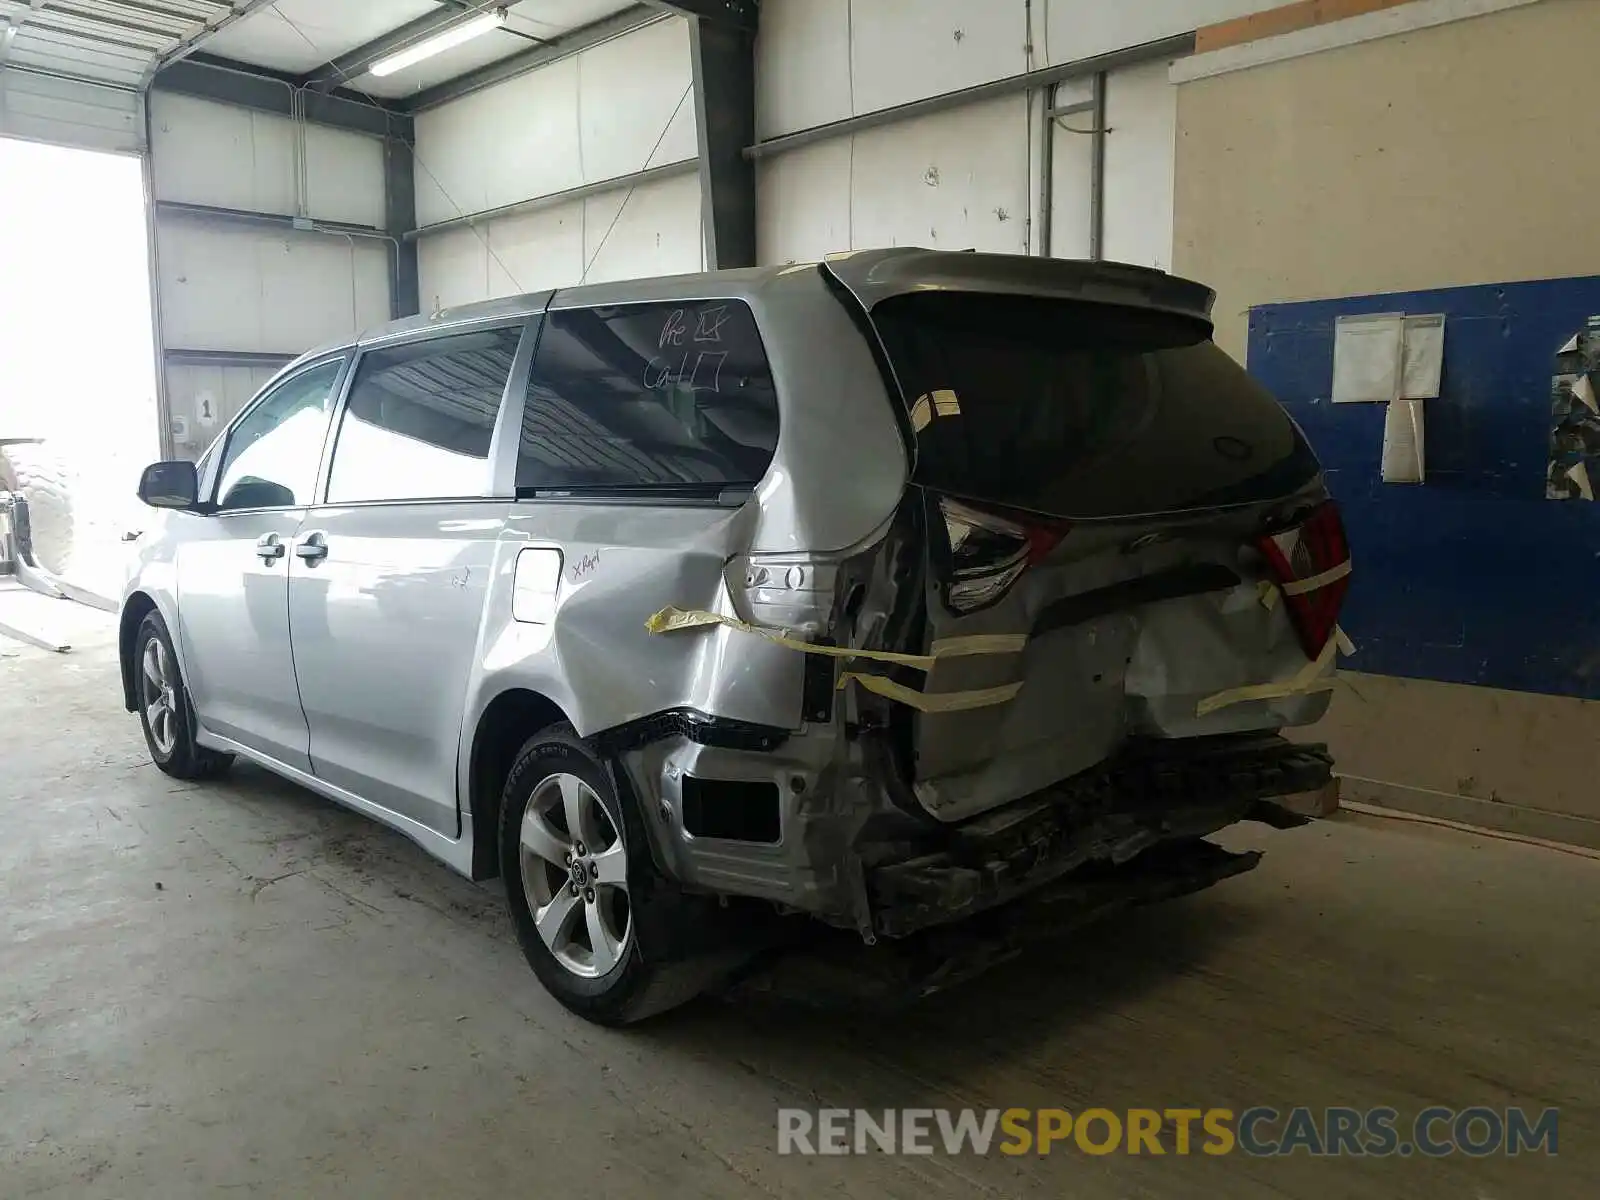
pixel 575 876
pixel 605 932
pixel 165 713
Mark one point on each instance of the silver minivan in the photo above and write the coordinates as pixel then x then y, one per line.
pixel 882 591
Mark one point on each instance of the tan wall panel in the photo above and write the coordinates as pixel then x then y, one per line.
pixel 1449 156
pixel 1512 760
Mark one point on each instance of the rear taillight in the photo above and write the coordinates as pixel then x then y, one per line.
pixel 989 553
pixel 1311 563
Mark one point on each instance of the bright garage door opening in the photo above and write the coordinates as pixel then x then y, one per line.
pixel 76 352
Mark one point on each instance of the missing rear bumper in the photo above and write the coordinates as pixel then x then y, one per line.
pixel 1123 812
pixel 834 969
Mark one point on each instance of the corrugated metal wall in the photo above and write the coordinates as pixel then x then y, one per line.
pixel 69 112
pixel 242 293
pixel 967 177
pixel 604 113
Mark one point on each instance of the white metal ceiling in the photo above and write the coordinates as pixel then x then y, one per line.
pixel 298 36
pixel 122 42
pixel 527 23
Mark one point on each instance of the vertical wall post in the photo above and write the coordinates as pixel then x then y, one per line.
pixel 1097 172
pixel 724 63
pixel 400 218
pixel 1047 170
pixel 158 341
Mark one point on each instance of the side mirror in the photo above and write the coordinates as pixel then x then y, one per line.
pixel 171 484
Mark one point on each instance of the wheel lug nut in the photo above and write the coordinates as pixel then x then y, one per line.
pixel 574 888
pixel 588 894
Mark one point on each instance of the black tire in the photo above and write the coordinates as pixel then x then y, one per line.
pixel 185 759
pixel 653 973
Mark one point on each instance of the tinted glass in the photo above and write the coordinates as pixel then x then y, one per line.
pixel 420 418
pixel 274 451
pixel 1084 410
pixel 648 396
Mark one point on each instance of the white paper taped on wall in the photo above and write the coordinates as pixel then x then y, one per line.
pixel 1403 442
pixel 1423 357
pixel 1367 358
pixel 1387 356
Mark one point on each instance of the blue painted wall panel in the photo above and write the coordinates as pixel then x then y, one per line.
pixel 1472 577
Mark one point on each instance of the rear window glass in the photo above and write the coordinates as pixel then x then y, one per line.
pixel 648 396
pixel 1083 410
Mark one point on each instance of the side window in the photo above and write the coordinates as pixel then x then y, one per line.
pixel 273 452
pixel 648 395
pixel 420 417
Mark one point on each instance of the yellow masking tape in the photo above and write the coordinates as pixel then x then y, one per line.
pixel 1267 593
pixel 921 414
pixel 670 620
pixel 1302 682
pixel 941 702
pixel 979 643
pixel 1299 587
pixel 946 403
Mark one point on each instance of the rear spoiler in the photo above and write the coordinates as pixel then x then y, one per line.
pixel 873 276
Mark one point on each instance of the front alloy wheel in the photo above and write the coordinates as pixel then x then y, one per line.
pixel 575 876
pixel 158 688
pixel 162 701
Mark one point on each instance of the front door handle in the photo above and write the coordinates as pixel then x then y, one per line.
pixel 269 548
pixel 313 549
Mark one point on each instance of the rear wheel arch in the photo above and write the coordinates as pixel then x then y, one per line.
pixel 510 719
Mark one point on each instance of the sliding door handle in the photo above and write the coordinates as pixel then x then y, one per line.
pixel 313 548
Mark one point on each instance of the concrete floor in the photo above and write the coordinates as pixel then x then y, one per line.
pixel 239 989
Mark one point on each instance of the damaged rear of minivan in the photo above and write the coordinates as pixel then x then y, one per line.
pixel 1112 580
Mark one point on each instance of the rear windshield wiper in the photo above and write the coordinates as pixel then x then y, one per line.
pixel 722 493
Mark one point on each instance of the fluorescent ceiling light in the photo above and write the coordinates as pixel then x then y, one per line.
pixel 439 42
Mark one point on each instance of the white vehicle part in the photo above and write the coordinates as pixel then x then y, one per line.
pixel 45 481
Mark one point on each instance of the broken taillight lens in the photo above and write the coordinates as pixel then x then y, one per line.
pixel 989 553
pixel 1311 564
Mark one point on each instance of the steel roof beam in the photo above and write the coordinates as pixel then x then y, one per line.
pixel 239 84
pixel 724 65
pixel 741 14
